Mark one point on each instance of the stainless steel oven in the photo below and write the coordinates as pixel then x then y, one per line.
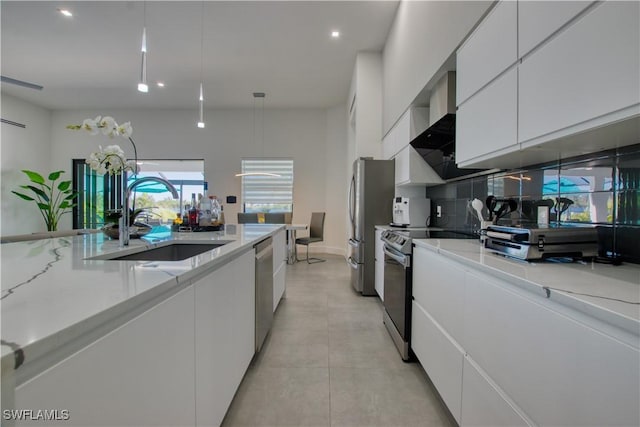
pixel 397 298
pixel 398 286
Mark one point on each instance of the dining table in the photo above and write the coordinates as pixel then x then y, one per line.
pixel 292 254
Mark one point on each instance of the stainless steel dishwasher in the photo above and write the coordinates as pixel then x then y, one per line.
pixel 264 290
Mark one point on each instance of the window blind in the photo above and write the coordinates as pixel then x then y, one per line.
pixel 260 189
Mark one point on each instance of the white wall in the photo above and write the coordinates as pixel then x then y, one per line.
pixel 337 180
pixel 314 138
pixel 369 105
pixel 27 148
pixel 423 35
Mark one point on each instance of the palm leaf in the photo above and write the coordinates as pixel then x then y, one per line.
pixel 36 190
pixel 55 175
pixel 64 185
pixel 34 176
pixel 23 196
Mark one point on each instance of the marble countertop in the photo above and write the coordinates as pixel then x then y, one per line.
pixel 52 292
pixel 610 293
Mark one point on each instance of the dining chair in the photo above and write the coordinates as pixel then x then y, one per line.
pixel 316 234
pixel 247 218
pixel 274 218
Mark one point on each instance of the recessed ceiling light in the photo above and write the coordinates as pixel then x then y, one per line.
pixel 160 84
pixel 65 12
pixel 335 34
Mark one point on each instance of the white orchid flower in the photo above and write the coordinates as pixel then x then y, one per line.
pixel 111 160
pixel 108 126
pixel 125 129
pixel 91 125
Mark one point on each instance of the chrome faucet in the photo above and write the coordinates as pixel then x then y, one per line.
pixel 124 219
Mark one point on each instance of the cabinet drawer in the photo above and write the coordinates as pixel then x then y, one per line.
pixel 559 371
pixel 587 71
pixel 488 122
pixel 490 50
pixel 438 286
pixel 483 404
pixel 440 357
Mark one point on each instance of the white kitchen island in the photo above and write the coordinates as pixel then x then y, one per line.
pixel 103 342
pixel 509 342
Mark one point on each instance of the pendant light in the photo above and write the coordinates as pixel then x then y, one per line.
pixel 261 96
pixel 142 85
pixel 201 98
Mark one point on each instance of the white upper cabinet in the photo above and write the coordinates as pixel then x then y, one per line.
pixel 412 169
pixel 589 70
pixel 412 123
pixel 490 50
pixel 537 20
pixel 488 122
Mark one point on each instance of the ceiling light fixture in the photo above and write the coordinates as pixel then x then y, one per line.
pixel 201 98
pixel 260 95
pixel 143 86
pixel 335 34
pixel 160 84
pixel 65 12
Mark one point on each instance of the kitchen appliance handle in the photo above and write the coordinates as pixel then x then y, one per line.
pixel 401 258
pixel 351 201
pixel 353 243
pixel 352 263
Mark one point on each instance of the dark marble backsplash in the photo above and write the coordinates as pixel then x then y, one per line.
pixel 602 189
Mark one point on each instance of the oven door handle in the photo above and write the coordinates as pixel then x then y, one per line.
pixel 400 258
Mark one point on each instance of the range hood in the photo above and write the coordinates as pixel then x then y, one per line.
pixel 437 144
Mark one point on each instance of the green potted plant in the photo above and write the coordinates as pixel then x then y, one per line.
pixel 53 199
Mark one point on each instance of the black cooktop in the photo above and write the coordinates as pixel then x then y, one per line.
pixel 438 234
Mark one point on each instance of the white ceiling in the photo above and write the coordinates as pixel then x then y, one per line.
pixel 284 49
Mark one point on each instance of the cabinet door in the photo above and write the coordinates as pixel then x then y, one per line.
pixel 438 286
pixel 440 357
pixel 488 122
pixel 537 20
pixel 491 49
pixel 139 374
pixel 379 280
pixel 559 371
pixel 482 402
pixel 402 165
pixel 225 328
pixel 279 266
pixel 587 71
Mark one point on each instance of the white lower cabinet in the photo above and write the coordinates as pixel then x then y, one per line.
pixel 179 363
pixel 379 264
pixel 142 373
pixel 503 356
pixel 224 337
pixel 557 370
pixel 482 402
pixel 438 286
pixel 279 266
pixel 440 357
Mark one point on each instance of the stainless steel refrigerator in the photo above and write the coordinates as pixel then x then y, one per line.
pixel 370 203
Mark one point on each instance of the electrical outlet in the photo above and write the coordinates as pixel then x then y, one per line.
pixel 439 211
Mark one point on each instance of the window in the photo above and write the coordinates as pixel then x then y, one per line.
pixel 99 194
pixel 262 193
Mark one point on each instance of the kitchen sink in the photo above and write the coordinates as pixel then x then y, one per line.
pixel 171 252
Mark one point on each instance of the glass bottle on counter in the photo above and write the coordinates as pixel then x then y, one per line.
pixel 193 212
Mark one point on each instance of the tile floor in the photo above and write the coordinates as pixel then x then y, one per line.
pixel 329 361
